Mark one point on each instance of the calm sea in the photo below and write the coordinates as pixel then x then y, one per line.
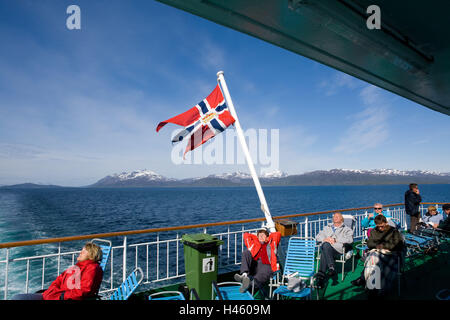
pixel 27 214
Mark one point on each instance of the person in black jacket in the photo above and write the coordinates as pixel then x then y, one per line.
pixel 383 237
pixel 445 224
pixel 412 202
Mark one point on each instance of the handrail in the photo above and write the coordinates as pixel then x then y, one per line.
pixel 194 226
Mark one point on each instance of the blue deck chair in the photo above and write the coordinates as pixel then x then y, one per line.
pixel 299 258
pixel 418 244
pixel 167 295
pixel 128 286
pixel 229 291
pixel 106 246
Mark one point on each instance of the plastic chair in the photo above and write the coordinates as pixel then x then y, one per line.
pixel 128 286
pixel 299 258
pixel 419 244
pixel 172 295
pixel 349 221
pixel 347 254
pixel 229 291
pixel 106 250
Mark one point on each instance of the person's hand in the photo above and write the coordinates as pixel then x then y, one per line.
pixel 329 240
pixel 416 191
pixel 370 215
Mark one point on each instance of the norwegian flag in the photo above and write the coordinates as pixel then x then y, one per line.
pixel 203 121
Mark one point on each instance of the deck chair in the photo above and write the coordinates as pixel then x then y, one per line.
pixel 106 246
pixel 128 286
pixel 349 221
pixel 167 295
pixel 419 244
pixel 348 253
pixel 299 258
pixel 229 291
pixel 193 295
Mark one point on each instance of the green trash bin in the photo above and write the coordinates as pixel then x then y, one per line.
pixel 201 262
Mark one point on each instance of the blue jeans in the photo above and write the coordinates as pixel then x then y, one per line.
pixel 411 222
pixel 28 296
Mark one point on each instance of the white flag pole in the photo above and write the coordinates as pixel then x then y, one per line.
pixel 240 134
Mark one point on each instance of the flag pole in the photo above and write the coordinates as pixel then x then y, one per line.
pixel 240 134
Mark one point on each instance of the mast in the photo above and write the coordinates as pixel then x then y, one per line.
pixel 240 134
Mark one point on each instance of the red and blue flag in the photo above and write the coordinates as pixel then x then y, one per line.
pixel 203 121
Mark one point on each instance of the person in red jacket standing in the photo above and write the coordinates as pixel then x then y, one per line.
pixel 81 281
pixel 260 260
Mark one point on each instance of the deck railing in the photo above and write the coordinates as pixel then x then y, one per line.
pixel 28 266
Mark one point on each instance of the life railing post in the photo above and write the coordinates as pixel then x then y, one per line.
pixel 124 275
pixel 306 227
pixel 6 273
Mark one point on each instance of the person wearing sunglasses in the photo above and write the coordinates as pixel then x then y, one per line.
pixel 369 221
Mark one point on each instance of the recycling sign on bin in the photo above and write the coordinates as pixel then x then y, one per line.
pixel 208 264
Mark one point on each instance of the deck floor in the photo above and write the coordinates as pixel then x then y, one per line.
pixel 423 277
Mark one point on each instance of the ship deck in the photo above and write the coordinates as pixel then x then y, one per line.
pixel 423 276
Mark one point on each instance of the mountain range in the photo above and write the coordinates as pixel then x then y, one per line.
pixel 147 178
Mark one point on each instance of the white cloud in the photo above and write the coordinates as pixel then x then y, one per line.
pixel 369 127
pixel 339 81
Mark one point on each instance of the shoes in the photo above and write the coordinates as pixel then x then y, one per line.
pixel 358 282
pixel 319 283
pixel 238 277
pixel 331 272
pixel 319 280
pixel 244 280
pixel 245 284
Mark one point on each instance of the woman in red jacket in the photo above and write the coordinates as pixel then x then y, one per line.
pixel 260 260
pixel 78 282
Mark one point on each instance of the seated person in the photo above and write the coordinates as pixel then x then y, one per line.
pixel 78 282
pixel 383 237
pixel 260 260
pixel 445 224
pixel 432 218
pixel 369 222
pixel 333 237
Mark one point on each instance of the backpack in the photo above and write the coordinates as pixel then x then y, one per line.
pixel 380 269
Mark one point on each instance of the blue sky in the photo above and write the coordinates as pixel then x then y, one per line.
pixel 77 105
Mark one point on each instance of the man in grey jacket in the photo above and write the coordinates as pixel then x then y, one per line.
pixel 333 238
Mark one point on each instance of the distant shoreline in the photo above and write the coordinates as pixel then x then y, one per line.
pixel 41 187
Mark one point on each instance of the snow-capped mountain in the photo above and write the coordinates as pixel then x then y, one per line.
pixel 138 178
pixel 393 172
pixel 274 174
pixel 238 175
pixel 148 178
pixel 140 174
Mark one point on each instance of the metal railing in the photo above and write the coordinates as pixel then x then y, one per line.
pixel 28 266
